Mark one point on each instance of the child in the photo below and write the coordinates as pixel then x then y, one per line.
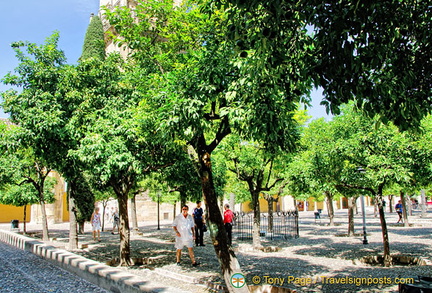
pixel 96 224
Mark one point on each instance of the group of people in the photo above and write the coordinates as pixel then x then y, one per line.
pixel 96 222
pixel 189 228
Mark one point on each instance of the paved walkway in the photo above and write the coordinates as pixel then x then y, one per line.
pixel 319 252
pixel 24 272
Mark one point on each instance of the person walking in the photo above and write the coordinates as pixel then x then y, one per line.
pixel 115 220
pixel 399 210
pixel 184 227
pixel 228 219
pixel 199 224
pixel 96 224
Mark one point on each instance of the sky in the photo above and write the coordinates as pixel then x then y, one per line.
pixel 34 21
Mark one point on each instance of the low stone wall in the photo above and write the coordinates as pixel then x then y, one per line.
pixel 109 278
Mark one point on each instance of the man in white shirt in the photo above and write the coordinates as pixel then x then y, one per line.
pixel 184 227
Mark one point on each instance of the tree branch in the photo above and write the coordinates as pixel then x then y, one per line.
pixel 224 130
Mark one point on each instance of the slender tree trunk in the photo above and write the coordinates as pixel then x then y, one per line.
pixel 404 209
pixel 183 197
pixel 351 210
pixel 227 259
pixel 125 259
pixel 270 201
pixel 386 242
pixel 423 203
pixel 73 232
pixel 45 234
pixel 81 225
pixel 391 202
pixel 330 208
pixel 256 227
pixel 134 214
pixel 24 223
pixel 104 205
pixel 174 210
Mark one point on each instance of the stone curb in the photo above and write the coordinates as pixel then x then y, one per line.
pixel 112 279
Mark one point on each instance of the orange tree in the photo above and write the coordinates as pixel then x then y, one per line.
pixel 199 88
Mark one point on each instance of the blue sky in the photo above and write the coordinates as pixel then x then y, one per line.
pixel 35 20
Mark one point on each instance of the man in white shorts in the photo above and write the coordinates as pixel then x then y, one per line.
pixel 184 227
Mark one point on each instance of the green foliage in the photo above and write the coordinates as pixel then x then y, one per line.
pixel 94 43
pixel 84 197
pixel 20 172
pixel 377 54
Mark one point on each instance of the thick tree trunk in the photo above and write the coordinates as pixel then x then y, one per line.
pixel 227 259
pixel 73 233
pixel 351 210
pixel 404 209
pixel 133 214
pixel 125 259
pixel 330 208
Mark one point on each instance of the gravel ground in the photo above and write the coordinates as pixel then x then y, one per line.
pixel 314 262
pixel 23 272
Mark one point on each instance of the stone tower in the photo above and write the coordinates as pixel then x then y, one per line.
pixel 110 46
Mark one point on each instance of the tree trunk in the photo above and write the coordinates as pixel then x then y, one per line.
pixel 376 210
pixel 45 235
pixel 351 210
pixel 183 197
pixel 391 202
pixel 404 209
pixel 104 205
pixel 24 222
pixel 125 259
pixel 386 242
pixel 133 214
pixel 256 227
pixel 174 210
pixel 227 259
pixel 73 233
pixel 423 203
pixel 330 208
pixel 270 213
pixel 81 225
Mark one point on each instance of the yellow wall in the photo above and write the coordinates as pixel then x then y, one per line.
pixel 9 213
pixel 246 206
pixel 65 206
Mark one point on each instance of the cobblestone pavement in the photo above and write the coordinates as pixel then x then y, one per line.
pixel 24 272
pixel 320 253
